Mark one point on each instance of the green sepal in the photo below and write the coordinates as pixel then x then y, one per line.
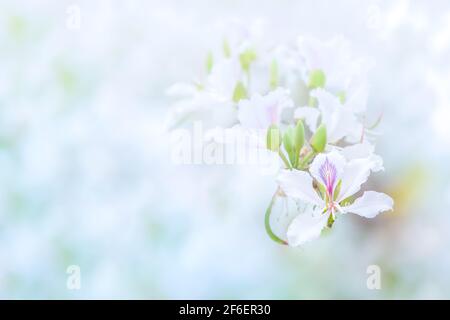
pixel 319 139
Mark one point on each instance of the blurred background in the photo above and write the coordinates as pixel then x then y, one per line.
pixel 86 177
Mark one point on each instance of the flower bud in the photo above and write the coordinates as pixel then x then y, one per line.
pixel 317 79
pixel 319 139
pixel 239 92
pixel 226 49
pixel 299 136
pixel 209 62
pixel 246 58
pixel 289 144
pixel 342 97
pixel 273 75
pixel 273 138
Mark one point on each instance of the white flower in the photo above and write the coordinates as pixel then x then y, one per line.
pixel 224 76
pixel 201 105
pixel 363 150
pixel 334 58
pixel 260 112
pixel 339 118
pixel 338 180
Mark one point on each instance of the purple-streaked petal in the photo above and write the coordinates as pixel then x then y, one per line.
pixel 327 169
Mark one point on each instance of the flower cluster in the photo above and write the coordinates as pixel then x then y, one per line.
pixel 310 99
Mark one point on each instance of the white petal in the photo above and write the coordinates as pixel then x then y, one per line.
pixel 339 121
pixel 363 150
pixel 259 112
pixel 332 57
pixel 182 90
pixel 309 115
pixel 343 123
pixel 246 114
pixel 357 151
pixel 306 227
pixel 327 102
pixel 334 158
pixel 355 174
pixel 298 184
pixel 357 101
pixel 370 204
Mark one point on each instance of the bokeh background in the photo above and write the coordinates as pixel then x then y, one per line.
pixel 86 177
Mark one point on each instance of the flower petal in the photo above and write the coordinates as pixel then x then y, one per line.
pixel 370 204
pixel 259 112
pixel 306 227
pixel 322 161
pixel 357 101
pixel 298 184
pixel 363 150
pixel 340 121
pixel 355 174
pixel 309 115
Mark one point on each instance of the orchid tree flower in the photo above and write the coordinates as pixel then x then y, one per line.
pixel 339 118
pixel 333 60
pixel 262 111
pixel 258 113
pixel 363 150
pixel 336 181
pixel 214 98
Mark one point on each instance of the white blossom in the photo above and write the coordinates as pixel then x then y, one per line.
pixel 336 180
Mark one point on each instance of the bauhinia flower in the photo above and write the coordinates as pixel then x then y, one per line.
pixel 330 64
pixel 327 187
pixel 251 91
pixel 260 112
pixel 340 118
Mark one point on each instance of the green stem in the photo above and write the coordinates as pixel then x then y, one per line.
pixel 302 163
pixel 269 231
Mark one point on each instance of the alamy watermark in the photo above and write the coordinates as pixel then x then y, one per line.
pixel 219 146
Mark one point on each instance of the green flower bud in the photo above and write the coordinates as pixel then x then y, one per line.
pixel 342 96
pixel 317 79
pixel 226 49
pixel 209 62
pixel 299 136
pixel 313 102
pixel 319 139
pixel 289 144
pixel 273 138
pixel 246 58
pixel 273 75
pixel 239 92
